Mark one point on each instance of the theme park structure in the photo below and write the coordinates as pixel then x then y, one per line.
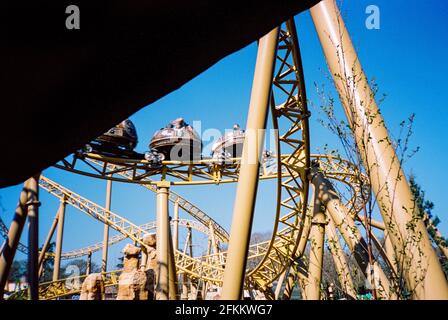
pixel 309 208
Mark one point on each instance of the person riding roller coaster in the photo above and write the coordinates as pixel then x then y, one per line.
pixel 118 141
pixel 230 145
pixel 177 141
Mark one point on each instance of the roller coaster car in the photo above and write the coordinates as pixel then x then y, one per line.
pixel 118 141
pixel 230 145
pixel 177 141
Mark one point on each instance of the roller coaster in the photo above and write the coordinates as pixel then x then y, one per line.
pixel 309 206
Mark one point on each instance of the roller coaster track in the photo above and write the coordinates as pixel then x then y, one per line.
pixel 122 225
pixel 335 168
pixel 291 174
pixel 201 267
pixel 289 110
pixel 65 287
pixel 205 267
pixel 120 237
pixel 4 232
pixel 128 170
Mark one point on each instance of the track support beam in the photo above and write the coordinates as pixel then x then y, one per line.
pixel 33 237
pixel 340 261
pixel 316 259
pixel 47 243
pixel 346 225
pixel 244 204
pixel 425 279
pixel 106 228
pixel 163 242
pixel 9 248
pixel 59 238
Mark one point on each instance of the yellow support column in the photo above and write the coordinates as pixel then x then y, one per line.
pixel 172 274
pixel 316 259
pixel 248 179
pixel 425 278
pixel 176 226
pixel 340 260
pixel 59 238
pixel 47 243
pixel 163 241
pixel 33 237
pixel 15 231
pixel 106 228
pixel 346 225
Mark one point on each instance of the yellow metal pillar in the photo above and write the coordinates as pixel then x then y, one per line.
pixel 425 279
pixel 340 260
pixel 59 238
pixel 172 274
pixel 248 179
pixel 346 225
pixel 193 282
pixel 33 237
pixel 299 276
pixel 316 259
pixel 47 244
pixel 184 294
pixel 106 228
pixel 176 226
pixel 438 235
pixel 163 241
pixel 9 248
pixel 214 243
pixel 279 286
pixel 306 224
pixel 292 276
pixel 289 285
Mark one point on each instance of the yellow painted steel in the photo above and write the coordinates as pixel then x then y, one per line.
pixel 192 267
pixel 59 237
pixel 246 191
pixel 202 267
pixel 150 226
pixel 425 278
pixel 65 287
pixel 286 248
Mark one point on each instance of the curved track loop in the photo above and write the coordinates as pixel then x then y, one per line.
pixel 135 233
pixel 204 267
pixel 120 237
pixel 4 233
pixel 138 171
pixel 290 120
pixel 336 168
pixel 178 173
pixel 290 117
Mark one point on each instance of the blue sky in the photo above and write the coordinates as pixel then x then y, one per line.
pixel 406 57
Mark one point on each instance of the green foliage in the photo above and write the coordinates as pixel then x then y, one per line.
pixel 424 210
pixel 120 264
pixel 48 264
pixel 18 270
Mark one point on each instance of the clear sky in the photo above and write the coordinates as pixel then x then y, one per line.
pixel 406 57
